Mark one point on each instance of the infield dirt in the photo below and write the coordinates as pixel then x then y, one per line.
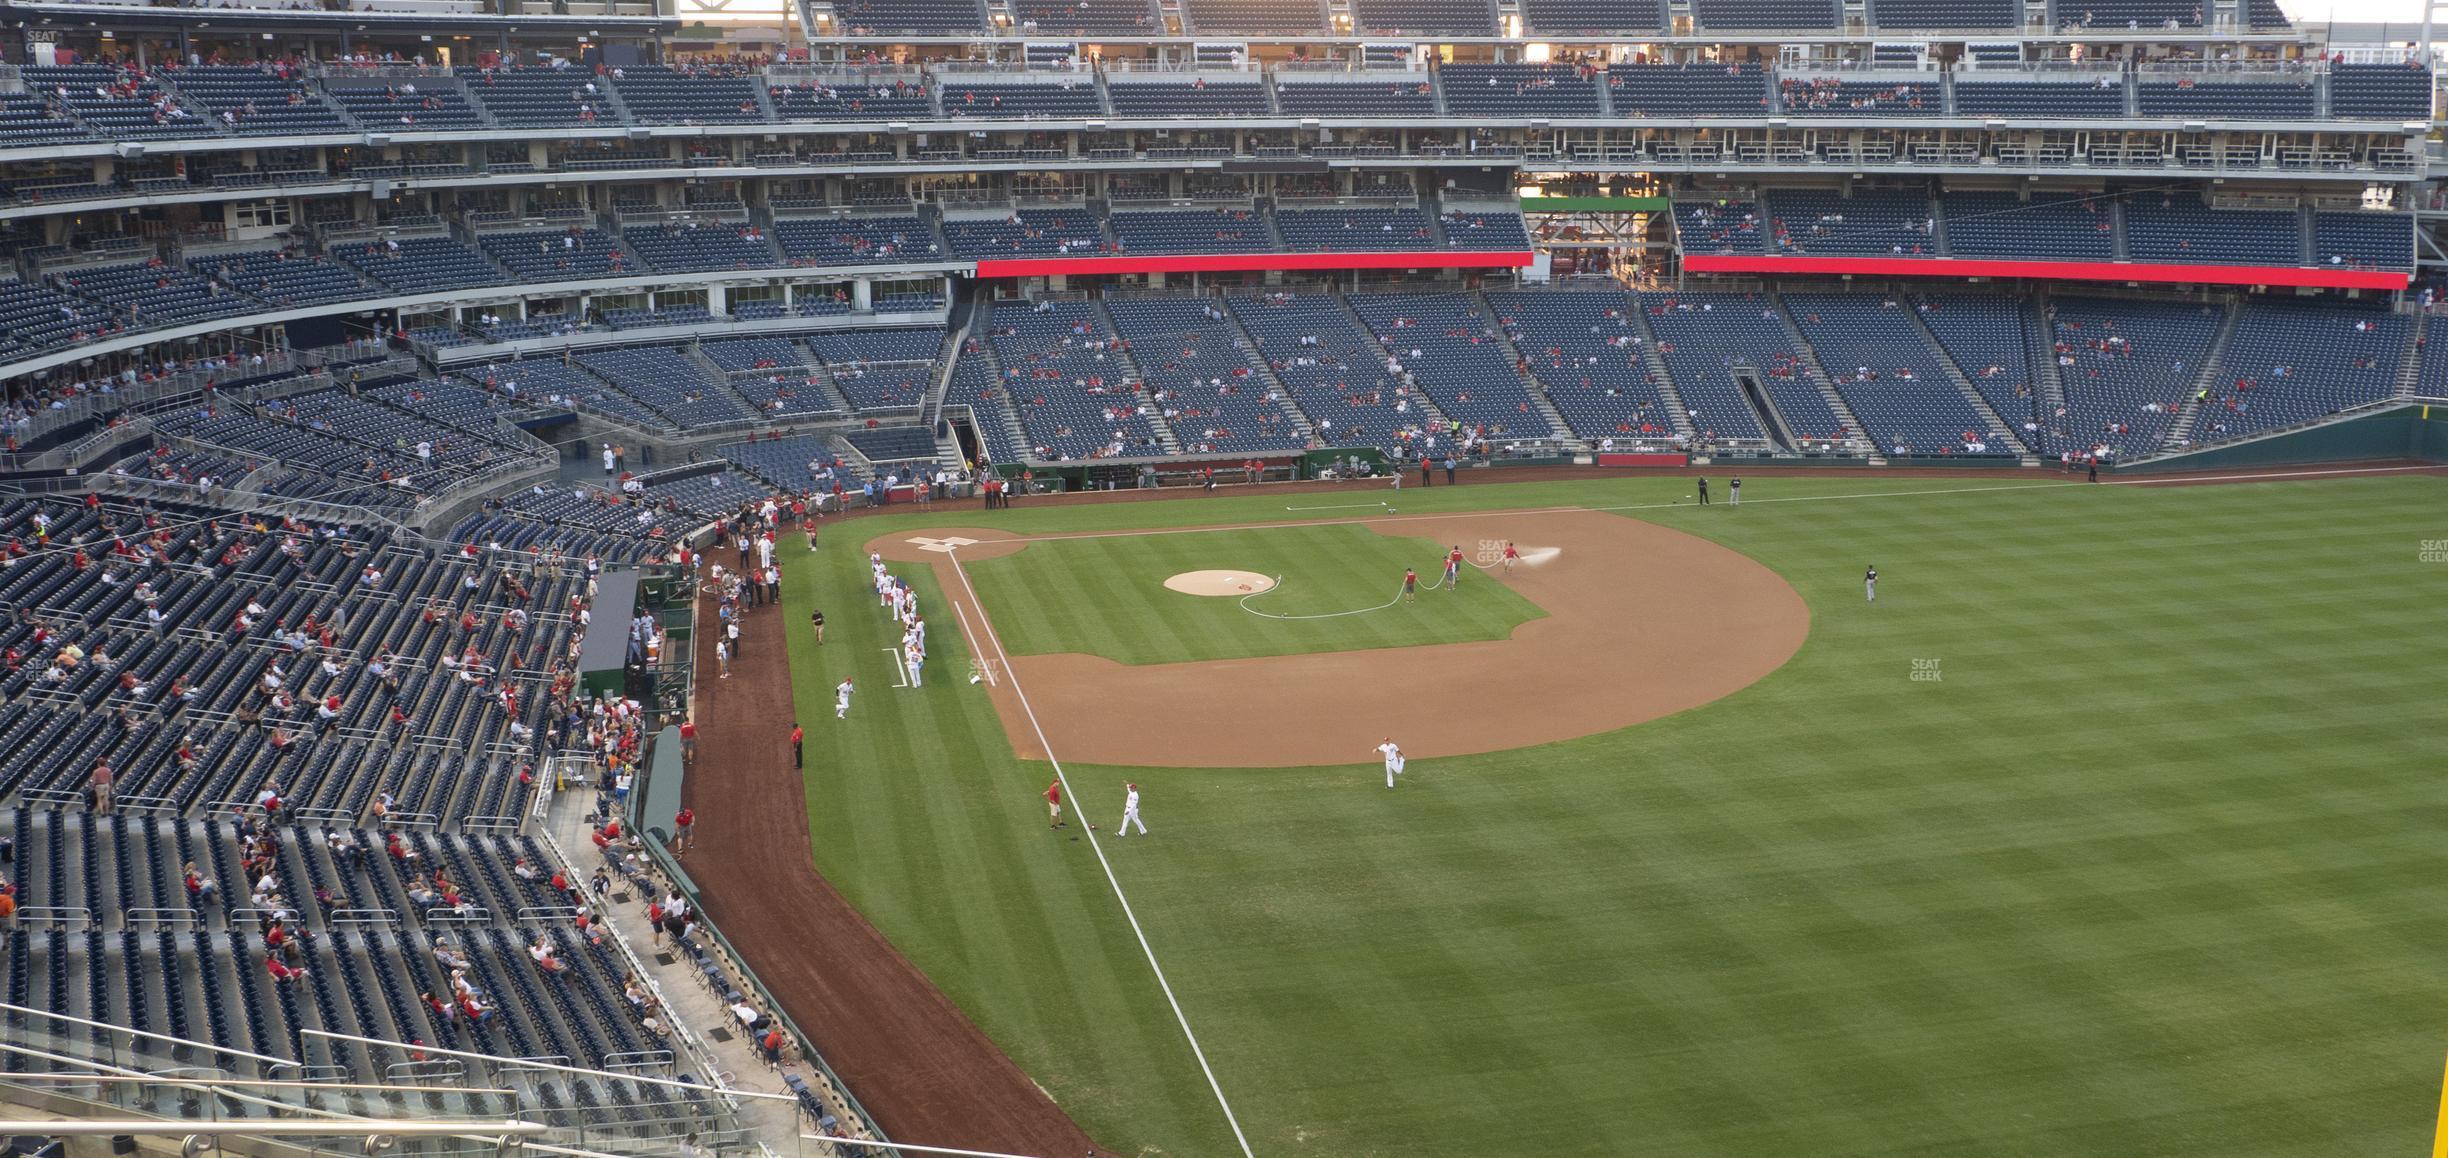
pixel 1641 621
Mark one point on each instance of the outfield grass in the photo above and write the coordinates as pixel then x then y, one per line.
pixel 2151 868
pixel 1106 596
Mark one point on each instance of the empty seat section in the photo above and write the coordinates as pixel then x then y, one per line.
pixel 2047 99
pixel 2131 14
pixel 2290 100
pixel 2051 226
pixel 881 370
pixel 1198 98
pixel 701 245
pixel 431 106
pixel 1449 346
pixel 1354 230
pixel 2364 240
pixel 1191 231
pixel 1891 378
pixel 667 382
pixel 1331 371
pixel 1202 376
pixel 558 254
pixel 1518 90
pixel 901 98
pixel 2126 367
pixel 525 98
pixel 118 105
pixel 1688 90
pixel 1585 349
pixel 1255 15
pixel 258 102
pixel 420 264
pixel 2380 92
pixel 1763 15
pixel 855 240
pixel 1946 14
pixel 1069 383
pixel 153 294
pixel 1572 17
pixel 660 95
pixel 1026 233
pixel 2289 363
pixel 1463 17
pixel 282 277
pixel 1991 339
pixel 1721 226
pixel 2178 227
pixel 1705 338
pixel 28 119
pixel 1061 100
pixel 1399 97
pixel 917 16
pixel 1088 17
pixel 1819 222
pixel 1484 231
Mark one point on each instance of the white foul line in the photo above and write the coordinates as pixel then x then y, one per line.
pixel 1338 507
pixel 1079 809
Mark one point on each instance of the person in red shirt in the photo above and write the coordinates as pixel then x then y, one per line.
pixel 1054 803
pixel 1453 567
pixel 798 735
pixel 688 741
pixel 683 824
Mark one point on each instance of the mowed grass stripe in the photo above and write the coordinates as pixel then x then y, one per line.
pixel 2150 869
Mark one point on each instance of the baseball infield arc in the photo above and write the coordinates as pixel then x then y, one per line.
pixel 1642 621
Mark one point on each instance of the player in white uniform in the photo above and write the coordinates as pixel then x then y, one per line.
pixel 1393 759
pixel 1130 812
pixel 913 659
pixel 841 701
pixel 1870 584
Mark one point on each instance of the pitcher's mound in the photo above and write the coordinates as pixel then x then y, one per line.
pixel 1219 583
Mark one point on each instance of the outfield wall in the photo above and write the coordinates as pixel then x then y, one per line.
pixel 2414 431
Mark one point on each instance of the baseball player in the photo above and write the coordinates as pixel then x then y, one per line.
pixel 1870 584
pixel 1734 491
pixel 1453 567
pixel 1054 803
pixel 1510 554
pixel 1410 585
pixel 1130 812
pixel 913 659
pixel 1393 759
pixel 841 701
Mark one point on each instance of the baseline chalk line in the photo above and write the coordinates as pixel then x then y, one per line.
pixel 1183 1019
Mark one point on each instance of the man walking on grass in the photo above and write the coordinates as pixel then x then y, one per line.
pixel 798 737
pixel 1130 812
pixel 1054 803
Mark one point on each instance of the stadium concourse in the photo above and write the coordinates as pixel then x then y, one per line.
pixel 386 382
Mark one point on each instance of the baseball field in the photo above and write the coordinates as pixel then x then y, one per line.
pixel 2113 827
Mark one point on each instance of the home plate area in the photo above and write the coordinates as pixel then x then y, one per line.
pixel 1219 583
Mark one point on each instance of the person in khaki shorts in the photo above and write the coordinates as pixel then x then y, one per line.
pixel 1054 804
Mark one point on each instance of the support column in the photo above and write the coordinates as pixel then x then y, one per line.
pixel 862 295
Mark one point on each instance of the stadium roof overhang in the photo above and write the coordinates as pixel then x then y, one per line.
pixel 2314 277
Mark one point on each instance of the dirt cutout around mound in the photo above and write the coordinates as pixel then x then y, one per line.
pixel 1641 622
pixel 1219 583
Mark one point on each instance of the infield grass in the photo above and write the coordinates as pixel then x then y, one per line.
pixel 2152 866
pixel 1106 596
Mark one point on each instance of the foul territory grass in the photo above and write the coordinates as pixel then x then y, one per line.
pixel 1106 596
pixel 2146 862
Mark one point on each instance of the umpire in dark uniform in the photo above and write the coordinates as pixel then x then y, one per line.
pixel 1704 491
